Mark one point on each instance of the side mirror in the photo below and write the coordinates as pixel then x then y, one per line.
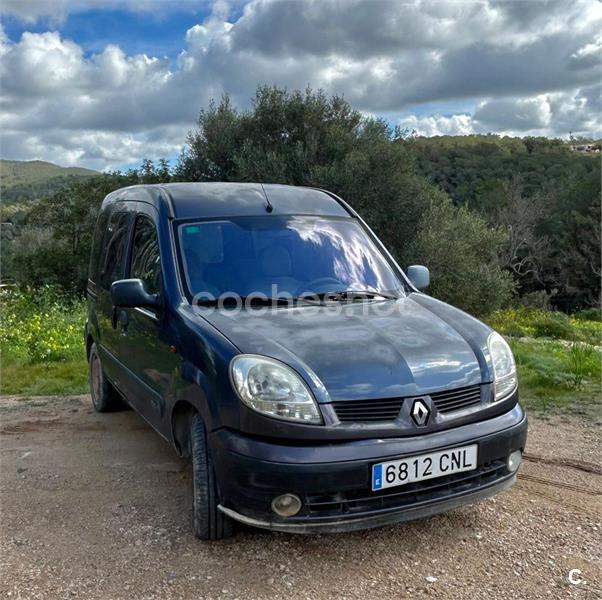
pixel 130 293
pixel 419 276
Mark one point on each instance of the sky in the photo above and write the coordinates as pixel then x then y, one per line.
pixel 106 83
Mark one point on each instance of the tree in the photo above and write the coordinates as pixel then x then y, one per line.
pixel 526 249
pixel 462 253
pixel 55 244
pixel 576 241
pixel 151 173
pixel 306 138
pixel 283 137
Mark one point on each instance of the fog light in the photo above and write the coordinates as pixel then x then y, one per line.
pixel 287 505
pixel 514 461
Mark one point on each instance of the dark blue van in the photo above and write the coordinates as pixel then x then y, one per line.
pixel 267 334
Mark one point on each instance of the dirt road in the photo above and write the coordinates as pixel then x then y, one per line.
pixel 97 506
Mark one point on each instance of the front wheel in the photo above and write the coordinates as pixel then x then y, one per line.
pixel 208 522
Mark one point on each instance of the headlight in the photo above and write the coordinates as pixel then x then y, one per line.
pixel 504 367
pixel 274 389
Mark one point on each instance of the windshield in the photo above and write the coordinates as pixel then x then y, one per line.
pixel 275 255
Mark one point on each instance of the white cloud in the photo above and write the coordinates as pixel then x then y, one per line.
pixel 430 125
pixel 32 10
pixel 589 55
pixel 94 149
pixel 41 63
pixel 526 66
pixel 552 115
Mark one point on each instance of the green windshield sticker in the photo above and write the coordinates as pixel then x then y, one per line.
pixel 192 229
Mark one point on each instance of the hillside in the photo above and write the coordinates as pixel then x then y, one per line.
pixel 21 181
pixel 471 168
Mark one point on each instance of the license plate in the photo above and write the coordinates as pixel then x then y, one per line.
pixel 426 466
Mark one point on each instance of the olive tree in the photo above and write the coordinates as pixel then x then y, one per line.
pixel 461 251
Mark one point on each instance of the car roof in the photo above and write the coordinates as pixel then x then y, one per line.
pixel 214 199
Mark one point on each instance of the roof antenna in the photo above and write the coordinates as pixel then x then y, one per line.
pixel 269 208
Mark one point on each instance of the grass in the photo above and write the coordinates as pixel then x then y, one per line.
pixel 555 376
pixel 558 357
pixel 69 376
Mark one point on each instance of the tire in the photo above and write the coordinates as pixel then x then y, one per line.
pixel 208 522
pixel 104 395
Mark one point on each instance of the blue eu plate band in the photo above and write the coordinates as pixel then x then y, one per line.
pixel 377 477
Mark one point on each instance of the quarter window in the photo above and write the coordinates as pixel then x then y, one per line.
pixel 146 261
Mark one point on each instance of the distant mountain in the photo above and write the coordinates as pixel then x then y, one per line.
pixel 22 181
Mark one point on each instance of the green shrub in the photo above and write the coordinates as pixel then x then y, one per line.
pixel 583 361
pixel 41 325
pixel 461 252
pixel 532 322
pixel 513 322
pixel 588 331
pixel 554 325
pixel 589 314
pixel 511 328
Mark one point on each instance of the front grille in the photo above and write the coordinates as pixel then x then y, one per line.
pixel 368 410
pixel 456 399
pixel 388 409
pixel 365 501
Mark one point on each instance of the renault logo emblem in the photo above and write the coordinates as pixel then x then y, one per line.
pixel 420 413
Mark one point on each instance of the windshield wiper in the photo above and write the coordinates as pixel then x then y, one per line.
pixel 347 295
pixel 309 298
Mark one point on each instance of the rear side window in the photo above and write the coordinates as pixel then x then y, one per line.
pixel 146 261
pixel 115 248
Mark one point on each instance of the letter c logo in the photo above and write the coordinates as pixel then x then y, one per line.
pixel 574 576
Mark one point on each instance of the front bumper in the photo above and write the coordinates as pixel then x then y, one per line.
pixel 334 480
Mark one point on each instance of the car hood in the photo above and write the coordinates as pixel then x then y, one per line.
pixel 412 346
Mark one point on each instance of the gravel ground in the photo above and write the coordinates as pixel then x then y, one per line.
pixel 97 506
